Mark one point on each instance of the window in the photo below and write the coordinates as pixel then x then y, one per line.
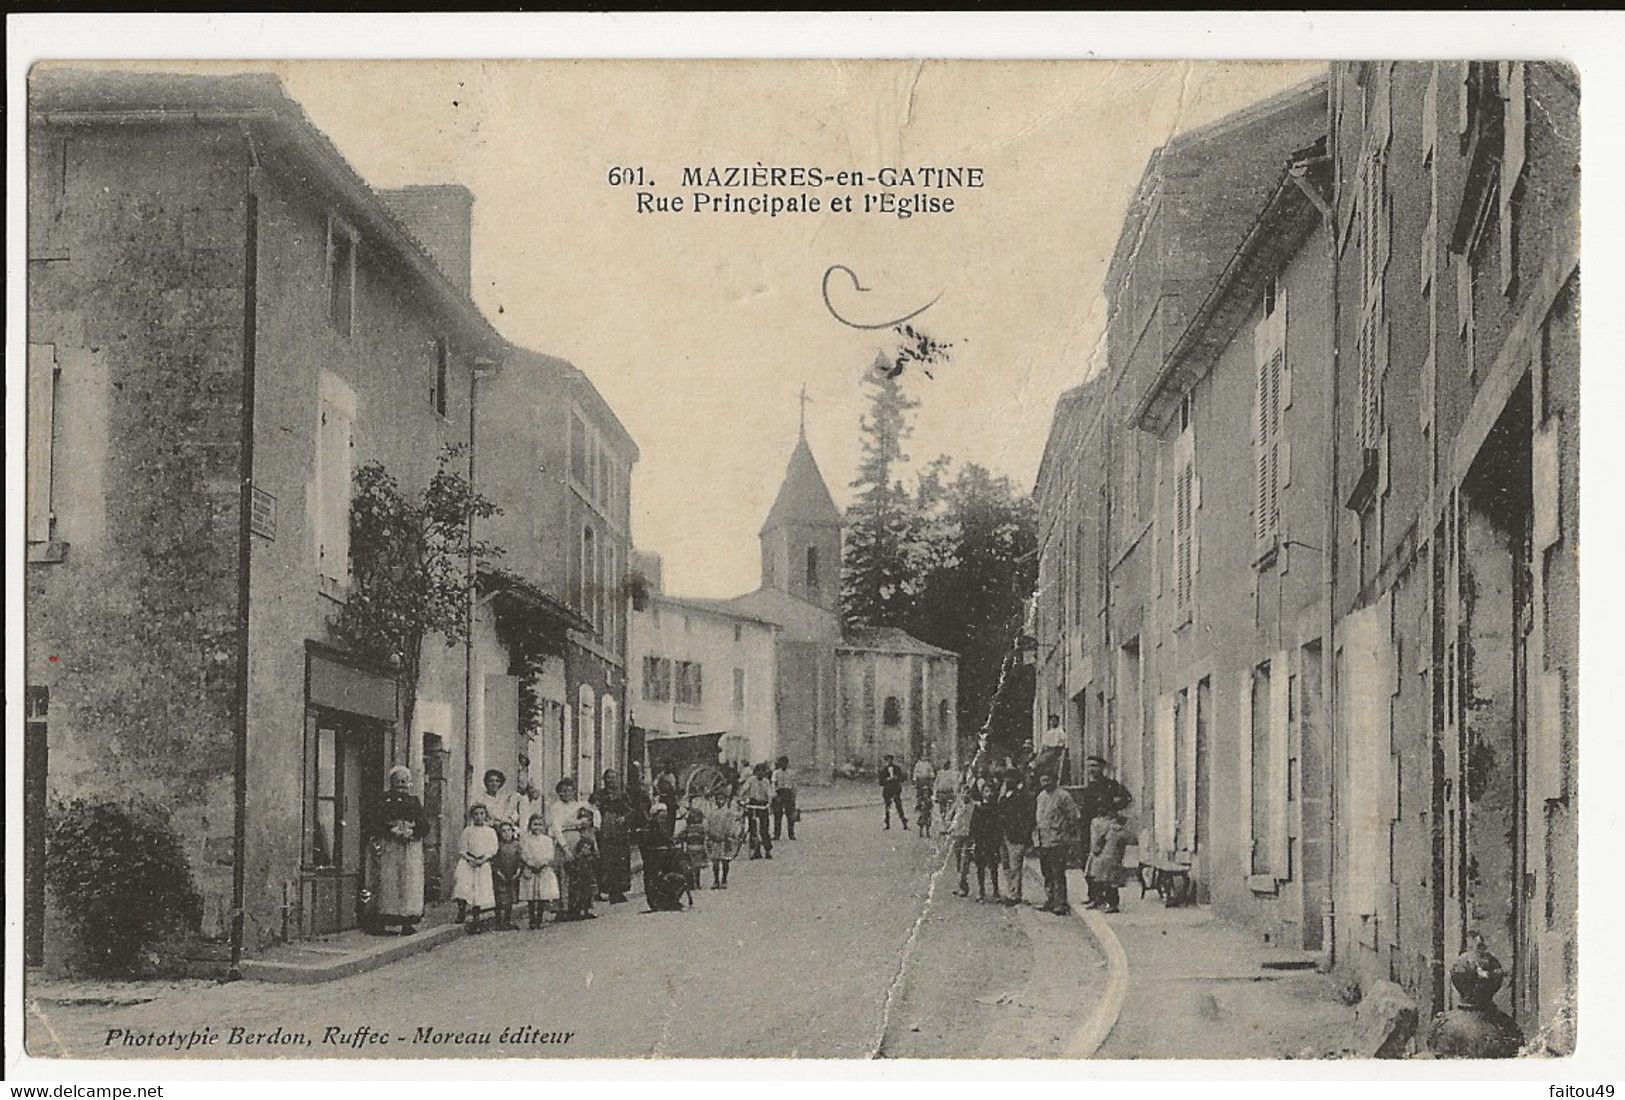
pixel 335 441
pixel 657 679
pixel 739 632
pixel 812 568
pixel 323 848
pixel 340 277
pixel 1273 394
pixel 739 689
pixel 892 713
pixel 439 370
pixel 942 716
pixel 690 687
pixel 43 378
pixel 578 449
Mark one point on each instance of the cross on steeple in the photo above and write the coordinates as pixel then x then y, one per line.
pixel 804 400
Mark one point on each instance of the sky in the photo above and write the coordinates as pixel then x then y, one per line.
pixel 700 328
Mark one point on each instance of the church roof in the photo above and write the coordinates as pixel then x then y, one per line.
pixel 803 497
pixel 890 639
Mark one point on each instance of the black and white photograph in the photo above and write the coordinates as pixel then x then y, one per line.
pixel 797 558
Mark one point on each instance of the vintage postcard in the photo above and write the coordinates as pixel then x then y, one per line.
pixel 815 559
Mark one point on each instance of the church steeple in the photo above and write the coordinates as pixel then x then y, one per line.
pixel 801 539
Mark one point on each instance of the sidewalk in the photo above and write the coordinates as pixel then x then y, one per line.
pixel 1196 987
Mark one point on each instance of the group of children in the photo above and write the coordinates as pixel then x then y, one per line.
pixel 500 867
pixel 552 865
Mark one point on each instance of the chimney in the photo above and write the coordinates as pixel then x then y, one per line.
pixel 441 217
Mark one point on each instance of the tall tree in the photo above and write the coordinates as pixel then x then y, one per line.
pixel 877 576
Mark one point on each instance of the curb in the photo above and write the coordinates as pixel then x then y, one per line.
pixel 1098 1027
pixel 1089 1038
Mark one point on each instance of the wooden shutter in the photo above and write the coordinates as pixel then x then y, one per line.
pixel 42 384
pixel 1280 684
pixel 1184 522
pixel 1269 349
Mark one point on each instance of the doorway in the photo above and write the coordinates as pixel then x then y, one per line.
pixel 344 781
pixel 1491 751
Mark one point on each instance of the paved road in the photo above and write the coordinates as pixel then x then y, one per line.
pixel 846 945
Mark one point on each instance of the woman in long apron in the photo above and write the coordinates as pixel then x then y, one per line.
pixel 398 849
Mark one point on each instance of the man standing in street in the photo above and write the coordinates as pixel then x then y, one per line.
pixel 1017 808
pixel 1055 831
pixel 891 789
pixel 784 798
pixel 1102 796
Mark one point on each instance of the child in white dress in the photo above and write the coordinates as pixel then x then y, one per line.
pixel 538 882
pixel 472 886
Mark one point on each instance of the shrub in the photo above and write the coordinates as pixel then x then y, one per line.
pixel 121 881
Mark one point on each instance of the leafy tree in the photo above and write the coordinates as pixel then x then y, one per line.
pixel 413 566
pixel 972 597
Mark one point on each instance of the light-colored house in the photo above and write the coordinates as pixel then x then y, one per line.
pixel 702 670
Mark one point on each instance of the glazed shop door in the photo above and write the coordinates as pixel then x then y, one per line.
pixel 344 781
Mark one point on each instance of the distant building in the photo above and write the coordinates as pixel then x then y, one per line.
pixel 842 699
pixel 705 680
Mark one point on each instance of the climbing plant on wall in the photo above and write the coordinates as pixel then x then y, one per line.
pixel 530 641
pixel 413 564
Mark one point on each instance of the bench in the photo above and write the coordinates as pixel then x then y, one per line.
pixel 1170 878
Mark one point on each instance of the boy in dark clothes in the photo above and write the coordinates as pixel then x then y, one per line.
pixel 505 874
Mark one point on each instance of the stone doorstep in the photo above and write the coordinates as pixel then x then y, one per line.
pixel 345 963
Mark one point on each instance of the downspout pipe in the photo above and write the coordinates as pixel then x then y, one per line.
pixel 483 368
pixel 245 556
pixel 1329 559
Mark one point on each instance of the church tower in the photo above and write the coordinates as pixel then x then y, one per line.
pixel 801 540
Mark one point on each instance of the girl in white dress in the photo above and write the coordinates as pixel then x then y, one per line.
pixel 538 882
pixel 472 887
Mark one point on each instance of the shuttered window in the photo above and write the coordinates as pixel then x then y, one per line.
pixel 1184 531
pixel 335 442
pixel 1272 395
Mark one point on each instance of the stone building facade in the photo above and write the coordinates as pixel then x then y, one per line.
pixel 1308 574
pixel 224 322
